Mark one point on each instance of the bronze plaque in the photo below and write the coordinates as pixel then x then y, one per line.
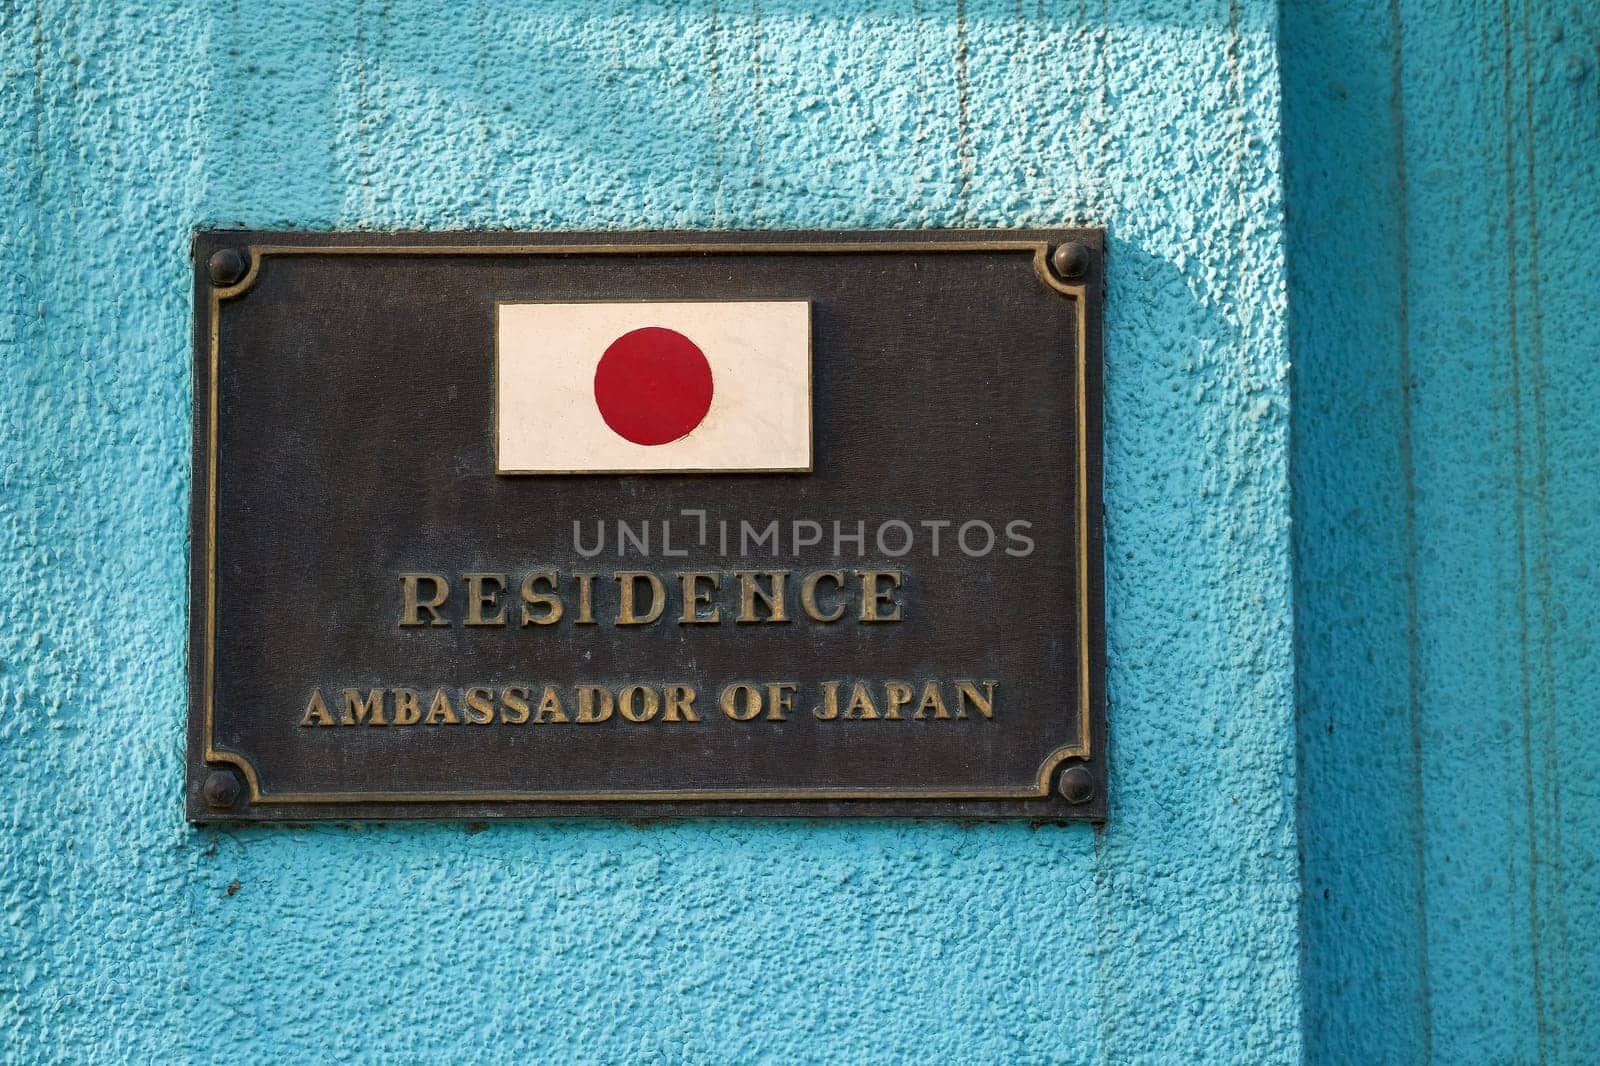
pixel 647 524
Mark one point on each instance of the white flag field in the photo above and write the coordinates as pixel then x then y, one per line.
pixel 702 387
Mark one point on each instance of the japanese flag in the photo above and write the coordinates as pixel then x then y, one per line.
pixel 591 388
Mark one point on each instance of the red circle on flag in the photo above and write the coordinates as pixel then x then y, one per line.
pixel 653 385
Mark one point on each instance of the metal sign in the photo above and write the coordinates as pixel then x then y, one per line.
pixel 801 524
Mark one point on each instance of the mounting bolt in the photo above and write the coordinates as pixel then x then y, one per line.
pixel 225 266
pixel 1076 785
pixel 1070 260
pixel 221 789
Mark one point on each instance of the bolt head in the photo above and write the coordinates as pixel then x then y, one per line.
pixel 1070 260
pixel 1076 785
pixel 225 266
pixel 221 789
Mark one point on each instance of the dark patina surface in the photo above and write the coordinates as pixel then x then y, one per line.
pixel 344 435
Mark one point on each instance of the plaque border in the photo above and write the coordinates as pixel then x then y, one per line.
pixel 1085 291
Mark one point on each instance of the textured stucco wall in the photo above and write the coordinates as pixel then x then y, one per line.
pixel 1171 935
pixel 1443 174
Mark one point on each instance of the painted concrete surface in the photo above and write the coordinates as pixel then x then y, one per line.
pixel 1169 936
pixel 1441 171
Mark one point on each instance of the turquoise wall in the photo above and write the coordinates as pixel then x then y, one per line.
pixel 1170 935
pixel 1404 870
pixel 1444 269
pixel 1419 884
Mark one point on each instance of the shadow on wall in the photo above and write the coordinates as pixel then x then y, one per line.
pixel 1443 196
